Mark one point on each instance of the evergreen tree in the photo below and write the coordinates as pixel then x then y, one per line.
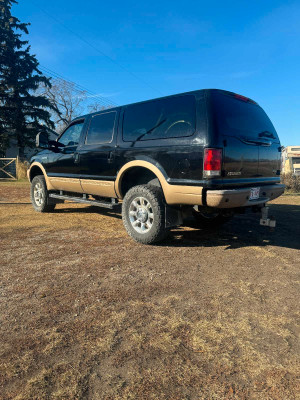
pixel 22 113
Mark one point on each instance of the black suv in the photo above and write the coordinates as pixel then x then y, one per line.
pixel 207 153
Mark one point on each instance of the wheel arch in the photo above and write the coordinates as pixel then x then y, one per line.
pixel 138 167
pixel 35 169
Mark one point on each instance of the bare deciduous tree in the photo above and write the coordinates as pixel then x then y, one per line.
pixel 94 107
pixel 69 102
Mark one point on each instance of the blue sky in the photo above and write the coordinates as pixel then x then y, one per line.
pixel 249 47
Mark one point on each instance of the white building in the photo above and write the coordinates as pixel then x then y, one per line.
pixel 290 160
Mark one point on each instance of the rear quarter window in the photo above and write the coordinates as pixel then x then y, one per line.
pixel 101 128
pixel 160 119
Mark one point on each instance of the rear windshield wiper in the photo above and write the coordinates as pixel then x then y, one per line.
pixel 266 134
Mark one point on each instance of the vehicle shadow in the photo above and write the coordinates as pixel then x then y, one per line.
pixel 9 203
pixel 116 213
pixel 244 231
pixel 241 231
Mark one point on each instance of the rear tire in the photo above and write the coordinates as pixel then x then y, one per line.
pixel 39 195
pixel 143 214
pixel 210 220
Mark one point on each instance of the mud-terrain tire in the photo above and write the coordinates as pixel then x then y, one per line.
pixel 143 214
pixel 210 220
pixel 39 195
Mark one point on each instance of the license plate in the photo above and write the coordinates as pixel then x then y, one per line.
pixel 254 193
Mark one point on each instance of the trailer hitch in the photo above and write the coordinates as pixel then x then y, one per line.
pixel 265 220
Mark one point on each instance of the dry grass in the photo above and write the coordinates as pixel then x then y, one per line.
pixel 291 182
pixel 88 314
pixel 21 169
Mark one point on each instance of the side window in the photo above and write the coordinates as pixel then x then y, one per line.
pixel 71 136
pixel 160 119
pixel 101 128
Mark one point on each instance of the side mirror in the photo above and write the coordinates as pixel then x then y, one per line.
pixel 55 143
pixel 41 140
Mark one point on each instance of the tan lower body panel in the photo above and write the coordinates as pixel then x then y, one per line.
pixel 99 188
pixel 176 194
pixel 89 186
pixel 67 184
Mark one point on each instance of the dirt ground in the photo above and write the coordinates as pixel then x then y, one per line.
pixel 86 313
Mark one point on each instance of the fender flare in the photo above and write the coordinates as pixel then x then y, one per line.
pixel 174 194
pixel 139 163
pixel 37 164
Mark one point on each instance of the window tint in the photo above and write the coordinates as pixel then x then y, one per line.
pixel 72 135
pixel 160 119
pixel 237 117
pixel 101 128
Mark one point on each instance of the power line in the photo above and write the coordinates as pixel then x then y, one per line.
pixel 57 75
pixel 96 49
pixel 78 87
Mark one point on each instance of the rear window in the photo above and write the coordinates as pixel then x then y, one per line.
pixel 236 117
pixel 160 119
pixel 101 128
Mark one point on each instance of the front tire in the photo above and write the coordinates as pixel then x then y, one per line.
pixel 143 214
pixel 39 195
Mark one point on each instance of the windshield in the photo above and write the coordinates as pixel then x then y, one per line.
pixel 236 117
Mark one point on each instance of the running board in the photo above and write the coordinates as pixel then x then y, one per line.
pixel 104 204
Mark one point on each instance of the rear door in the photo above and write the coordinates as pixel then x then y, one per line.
pixel 251 144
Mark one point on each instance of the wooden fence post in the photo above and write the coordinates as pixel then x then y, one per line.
pixel 17 167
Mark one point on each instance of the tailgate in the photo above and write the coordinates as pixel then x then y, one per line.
pixel 251 144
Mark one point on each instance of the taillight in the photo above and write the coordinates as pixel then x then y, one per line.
pixel 212 162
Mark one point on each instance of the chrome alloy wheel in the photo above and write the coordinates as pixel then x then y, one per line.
pixel 38 194
pixel 141 214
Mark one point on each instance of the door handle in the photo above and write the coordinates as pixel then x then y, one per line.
pixel 110 157
pixel 76 158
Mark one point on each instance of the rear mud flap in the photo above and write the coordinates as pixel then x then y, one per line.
pixel 173 217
